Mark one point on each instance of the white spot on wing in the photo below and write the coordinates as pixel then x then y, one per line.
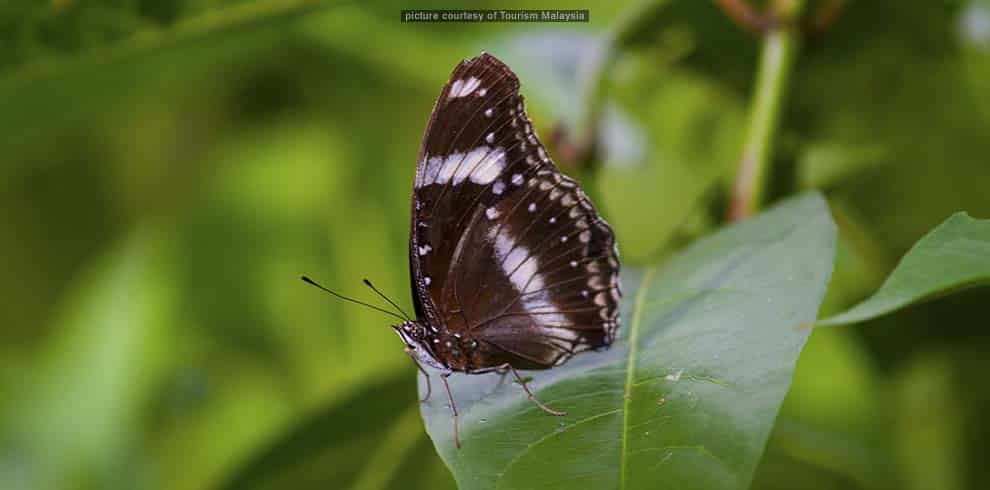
pixel 483 164
pixel 522 270
pixel 447 167
pixel 424 249
pixel 498 187
pixel 490 166
pixel 431 170
pixel 514 261
pixel 461 88
pixel 491 212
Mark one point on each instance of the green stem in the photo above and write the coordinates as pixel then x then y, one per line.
pixel 776 63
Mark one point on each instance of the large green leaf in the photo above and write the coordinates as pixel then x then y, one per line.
pixel 954 255
pixel 686 397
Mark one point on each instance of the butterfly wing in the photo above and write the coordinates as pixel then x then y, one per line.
pixel 503 246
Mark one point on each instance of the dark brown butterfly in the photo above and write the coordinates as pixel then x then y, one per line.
pixel 510 264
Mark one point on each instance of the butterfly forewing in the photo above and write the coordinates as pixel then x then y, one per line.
pixel 503 247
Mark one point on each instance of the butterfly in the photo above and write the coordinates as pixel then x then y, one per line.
pixel 511 266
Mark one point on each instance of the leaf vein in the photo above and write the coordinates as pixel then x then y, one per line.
pixel 634 326
pixel 552 435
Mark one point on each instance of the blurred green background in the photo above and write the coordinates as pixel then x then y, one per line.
pixel 171 167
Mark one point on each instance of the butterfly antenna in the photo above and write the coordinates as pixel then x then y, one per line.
pixel 373 288
pixel 352 300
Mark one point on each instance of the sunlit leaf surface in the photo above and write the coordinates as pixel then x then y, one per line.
pixel 954 255
pixel 686 398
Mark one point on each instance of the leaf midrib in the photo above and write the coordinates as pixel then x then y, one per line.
pixel 630 368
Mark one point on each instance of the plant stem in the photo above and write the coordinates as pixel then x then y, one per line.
pixel 776 63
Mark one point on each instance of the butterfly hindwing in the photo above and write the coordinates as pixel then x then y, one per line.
pixel 503 245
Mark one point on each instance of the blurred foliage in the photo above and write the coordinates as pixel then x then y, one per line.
pixel 171 167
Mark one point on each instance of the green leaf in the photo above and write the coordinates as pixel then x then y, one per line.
pixel 72 84
pixel 954 255
pixel 688 394
pixel 76 417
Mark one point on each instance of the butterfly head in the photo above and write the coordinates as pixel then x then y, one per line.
pixel 417 337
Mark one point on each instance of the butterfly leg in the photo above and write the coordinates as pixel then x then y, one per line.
pixel 429 389
pixel 453 407
pixel 501 371
pixel 530 393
